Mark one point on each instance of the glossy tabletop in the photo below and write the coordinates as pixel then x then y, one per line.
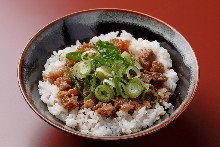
pixel 197 20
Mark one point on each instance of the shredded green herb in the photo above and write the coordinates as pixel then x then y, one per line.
pixel 108 55
pixel 75 82
pixel 74 56
pixel 92 87
pixel 154 93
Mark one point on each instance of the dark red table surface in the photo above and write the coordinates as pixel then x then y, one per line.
pixel 197 20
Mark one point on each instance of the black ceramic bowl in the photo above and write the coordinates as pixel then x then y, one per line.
pixel 83 26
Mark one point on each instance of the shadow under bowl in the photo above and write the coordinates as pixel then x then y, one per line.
pixel 83 26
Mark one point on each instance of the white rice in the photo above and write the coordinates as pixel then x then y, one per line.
pixel 90 122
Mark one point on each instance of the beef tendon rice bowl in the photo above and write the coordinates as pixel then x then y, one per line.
pixel 110 86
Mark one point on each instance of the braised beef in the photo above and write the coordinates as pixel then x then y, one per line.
pixel 106 109
pixel 89 103
pixel 69 102
pixel 52 76
pixel 60 78
pixel 153 77
pixel 157 67
pixel 129 105
pixel 146 58
pixel 147 104
pixel 159 78
pixel 165 94
pixel 68 93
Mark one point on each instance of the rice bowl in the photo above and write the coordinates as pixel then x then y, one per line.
pixel 66 30
pixel 88 121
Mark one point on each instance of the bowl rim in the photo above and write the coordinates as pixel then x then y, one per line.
pixel 134 135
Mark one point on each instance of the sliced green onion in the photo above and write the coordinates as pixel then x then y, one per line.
pixel 92 88
pixel 138 65
pixel 156 95
pixel 89 96
pixel 134 88
pixel 127 58
pixel 75 82
pixel 146 86
pixel 104 93
pixel 103 72
pixel 124 81
pixel 136 72
pixel 143 94
pixel 74 56
pixel 128 61
pixel 78 87
pixel 82 69
pixel 138 80
pixel 121 70
pixel 125 54
pixel 89 53
pixel 116 66
pixel 108 82
pixel 123 91
pixel 93 83
pixel 85 84
pixel 116 81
